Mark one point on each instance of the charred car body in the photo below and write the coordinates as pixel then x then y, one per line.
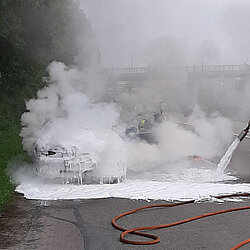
pixel 55 161
pixel 142 125
pixel 71 164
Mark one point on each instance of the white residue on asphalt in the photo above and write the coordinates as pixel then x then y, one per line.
pixel 169 190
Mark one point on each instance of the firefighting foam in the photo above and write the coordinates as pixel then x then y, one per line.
pixel 76 135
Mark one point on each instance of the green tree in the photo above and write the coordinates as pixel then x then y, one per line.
pixel 33 33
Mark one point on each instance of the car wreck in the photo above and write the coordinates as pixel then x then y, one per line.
pixel 141 127
pixel 82 164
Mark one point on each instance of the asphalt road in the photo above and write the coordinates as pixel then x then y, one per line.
pixel 86 224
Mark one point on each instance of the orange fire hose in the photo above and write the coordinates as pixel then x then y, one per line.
pixel 156 239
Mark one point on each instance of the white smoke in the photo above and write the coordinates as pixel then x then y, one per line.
pixel 64 115
pixel 207 137
pixel 70 111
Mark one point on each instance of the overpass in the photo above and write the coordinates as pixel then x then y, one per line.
pixel 200 71
pixel 206 83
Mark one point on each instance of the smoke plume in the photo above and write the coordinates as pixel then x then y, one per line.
pixel 70 110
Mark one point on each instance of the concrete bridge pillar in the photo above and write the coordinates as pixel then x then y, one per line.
pixel 193 84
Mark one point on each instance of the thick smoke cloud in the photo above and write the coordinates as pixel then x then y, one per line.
pixel 163 34
pixel 234 23
pixel 70 109
pixel 124 34
pixel 208 138
pixel 63 115
pixel 64 98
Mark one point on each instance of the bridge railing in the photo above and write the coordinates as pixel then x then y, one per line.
pixel 217 68
pixel 128 70
pixel 187 69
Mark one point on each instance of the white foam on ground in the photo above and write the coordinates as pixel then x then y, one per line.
pixel 193 184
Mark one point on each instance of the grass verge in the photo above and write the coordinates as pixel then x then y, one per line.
pixel 10 148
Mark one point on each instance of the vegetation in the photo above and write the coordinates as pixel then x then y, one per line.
pixel 33 33
pixel 10 146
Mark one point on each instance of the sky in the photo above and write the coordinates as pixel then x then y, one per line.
pixel 128 32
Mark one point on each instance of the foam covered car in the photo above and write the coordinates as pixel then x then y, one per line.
pixel 96 157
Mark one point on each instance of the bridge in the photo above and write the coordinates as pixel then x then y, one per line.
pixel 200 71
pixel 203 81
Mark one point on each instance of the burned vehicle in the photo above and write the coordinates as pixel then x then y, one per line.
pixel 99 159
pixel 69 163
pixel 141 127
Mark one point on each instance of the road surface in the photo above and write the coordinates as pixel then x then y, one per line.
pixel 86 224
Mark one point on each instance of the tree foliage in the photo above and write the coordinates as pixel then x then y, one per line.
pixel 33 33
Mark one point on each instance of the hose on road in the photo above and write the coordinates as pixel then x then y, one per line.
pixel 156 239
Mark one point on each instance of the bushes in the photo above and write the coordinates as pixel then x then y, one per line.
pixel 6 187
pixel 10 146
pixel 32 34
pixel 20 79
